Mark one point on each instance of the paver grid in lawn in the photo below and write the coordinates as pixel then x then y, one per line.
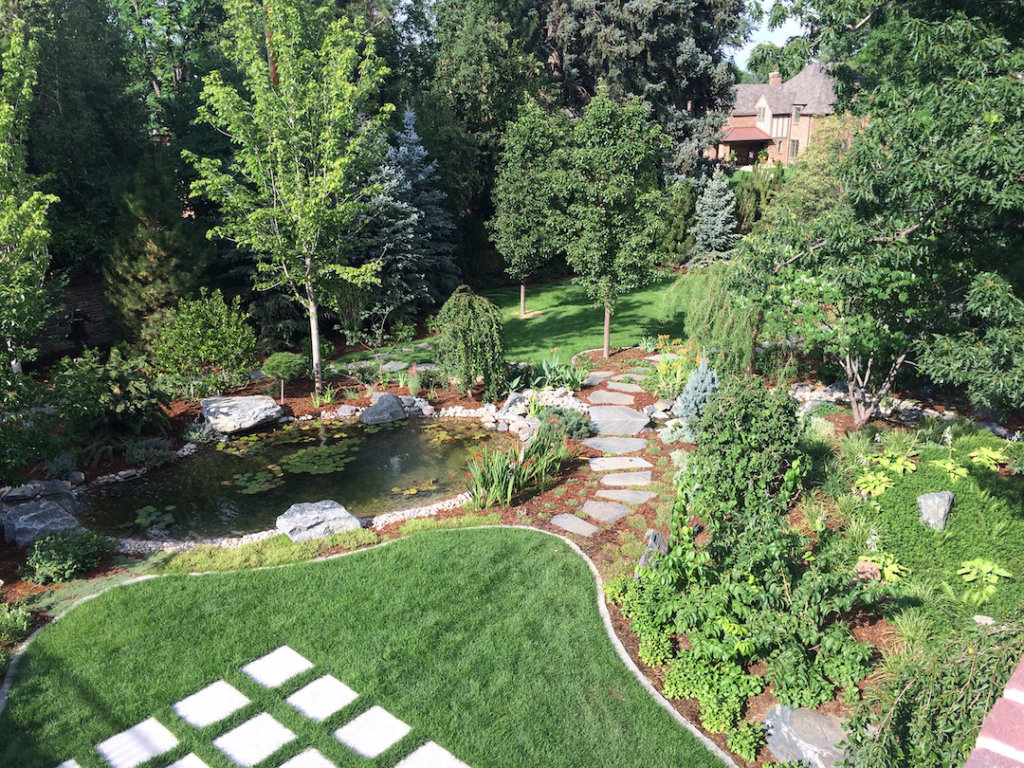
pixel 322 698
pixel 189 761
pixel 254 740
pixel 277 667
pixel 430 755
pixel 373 732
pixel 309 759
pixel 210 705
pixel 137 745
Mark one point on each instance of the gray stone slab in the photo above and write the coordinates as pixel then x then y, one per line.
pixel 616 463
pixel 626 496
pixel 277 667
pixel 662 356
pixel 622 386
pixel 254 740
pixel 631 377
pixel 26 523
pixel 616 445
pixel 803 735
pixel 137 745
pixel 573 524
pixel 394 366
pixel 372 733
pixel 596 377
pixel 617 420
pixel 626 479
pixel 602 397
pixel 314 520
pixel 229 415
pixel 640 371
pixel 606 511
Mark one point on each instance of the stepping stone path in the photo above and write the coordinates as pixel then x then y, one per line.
pixel 255 742
pixel 615 463
pixel 610 398
pixel 623 386
pixel 596 377
pixel 611 415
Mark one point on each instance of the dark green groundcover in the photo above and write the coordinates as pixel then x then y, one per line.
pixel 488 642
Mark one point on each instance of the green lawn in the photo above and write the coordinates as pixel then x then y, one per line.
pixel 567 319
pixel 486 641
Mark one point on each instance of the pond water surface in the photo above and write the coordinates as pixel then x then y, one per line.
pixel 243 485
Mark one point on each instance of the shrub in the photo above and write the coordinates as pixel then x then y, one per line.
pixel 565 422
pixel 285 366
pixel 120 394
pixel 471 342
pixel 692 401
pixel 61 465
pixel 553 374
pixel 14 622
pixel 204 345
pixel 64 555
pixel 150 452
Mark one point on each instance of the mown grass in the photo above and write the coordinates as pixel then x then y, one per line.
pixel 488 642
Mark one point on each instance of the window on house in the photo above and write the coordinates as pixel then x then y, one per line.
pixel 796 115
pixel 794 148
pixel 760 115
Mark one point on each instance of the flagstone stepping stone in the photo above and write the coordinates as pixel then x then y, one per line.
pixel 640 371
pixel 254 740
pixel 610 463
pixel 430 755
pixel 623 386
pixel 322 698
pixel 210 705
pixel 617 420
pixel 596 377
pixel 309 759
pixel 662 356
pixel 394 366
pixel 610 398
pixel 277 667
pixel 573 524
pixel 627 478
pixel 606 511
pixel 629 377
pixel 135 746
pixel 616 444
pixel 627 497
pixel 190 760
pixel 372 732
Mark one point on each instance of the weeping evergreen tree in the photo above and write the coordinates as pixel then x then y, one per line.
pixel 714 232
pixel 410 234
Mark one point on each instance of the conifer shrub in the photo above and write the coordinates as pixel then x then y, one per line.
pixel 692 401
pixel 285 366
pixel 471 342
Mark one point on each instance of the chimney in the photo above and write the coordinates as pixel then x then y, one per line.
pixel 774 78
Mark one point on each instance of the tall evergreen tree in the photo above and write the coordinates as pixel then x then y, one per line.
pixel 714 232
pixel 409 234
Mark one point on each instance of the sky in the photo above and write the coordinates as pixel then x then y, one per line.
pixel 764 35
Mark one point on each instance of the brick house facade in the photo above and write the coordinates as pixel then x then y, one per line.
pixel 777 117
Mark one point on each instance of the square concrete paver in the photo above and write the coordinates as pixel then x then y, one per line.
pixel 135 746
pixel 573 524
pixel 309 759
pixel 626 478
pixel 613 463
pixel 210 705
pixel 372 732
pixel 189 761
pixel 69 764
pixel 430 755
pixel 254 740
pixel 277 667
pixel 322 698
pixel 606 511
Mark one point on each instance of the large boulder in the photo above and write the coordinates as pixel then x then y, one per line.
pixel 933 508
pixel 315 520
pixel 229 415
pixel 388 408
pixel 26 523
pixel 51 490
pixel 804 736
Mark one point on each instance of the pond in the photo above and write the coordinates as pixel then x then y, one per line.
pixel 243 485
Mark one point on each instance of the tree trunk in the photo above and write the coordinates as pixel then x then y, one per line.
pixel 314 339
pixel 607 328
pixel 15 362
pixel 282 391
pixel 522 299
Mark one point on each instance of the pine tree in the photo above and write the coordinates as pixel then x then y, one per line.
pixel 714 232
pixel 692 401
pixel 677 242
pixel 410 234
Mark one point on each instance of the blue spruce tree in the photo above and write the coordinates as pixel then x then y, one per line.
pixel 692 401
pixel 714 231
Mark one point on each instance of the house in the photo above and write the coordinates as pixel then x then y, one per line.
pixel 778 117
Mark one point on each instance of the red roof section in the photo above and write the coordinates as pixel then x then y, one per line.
pixel 746 134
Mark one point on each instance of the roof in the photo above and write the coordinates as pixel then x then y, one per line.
pixel 745 134
pixel 813 88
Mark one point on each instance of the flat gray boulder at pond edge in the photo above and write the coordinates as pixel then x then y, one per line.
pixel 229 415
pixel 933 508
pixel 388 408
pixel 315 520
pixel 26 523
pixel 803 735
